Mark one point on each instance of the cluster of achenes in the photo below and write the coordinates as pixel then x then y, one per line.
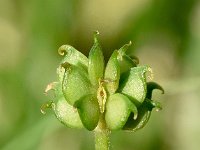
pixel 89 91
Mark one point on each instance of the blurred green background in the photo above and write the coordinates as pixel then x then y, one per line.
pixel 165 35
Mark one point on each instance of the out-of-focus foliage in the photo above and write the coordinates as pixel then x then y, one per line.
pixel 165 33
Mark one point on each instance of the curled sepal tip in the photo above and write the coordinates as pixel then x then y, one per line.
pixel 63 49
pixel 45 106
pixel 151 86
pixel 50 86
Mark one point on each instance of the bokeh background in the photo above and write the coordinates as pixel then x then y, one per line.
pixel 165 34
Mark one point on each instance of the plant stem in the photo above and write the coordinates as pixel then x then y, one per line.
pixel 102 140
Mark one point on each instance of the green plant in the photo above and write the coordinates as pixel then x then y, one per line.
pixel 99 97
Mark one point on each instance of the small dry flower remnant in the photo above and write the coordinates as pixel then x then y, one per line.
pixel 102 96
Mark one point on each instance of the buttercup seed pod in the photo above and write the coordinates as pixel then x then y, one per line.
pixel 96 63
pixel 101 96
pixel 112 73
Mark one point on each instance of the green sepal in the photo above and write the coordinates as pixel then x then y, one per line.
pixel 112 73
pixel 72 56
pixel 142 119
pixel 150 87
pixel 88 109
pixel 125 62
pixel 133 84
pixel 75 83
pixel 118 109
pixel 96 62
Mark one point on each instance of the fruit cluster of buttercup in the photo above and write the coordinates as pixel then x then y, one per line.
pixel 88 90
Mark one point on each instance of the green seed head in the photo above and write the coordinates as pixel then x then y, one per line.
pixel 89 90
